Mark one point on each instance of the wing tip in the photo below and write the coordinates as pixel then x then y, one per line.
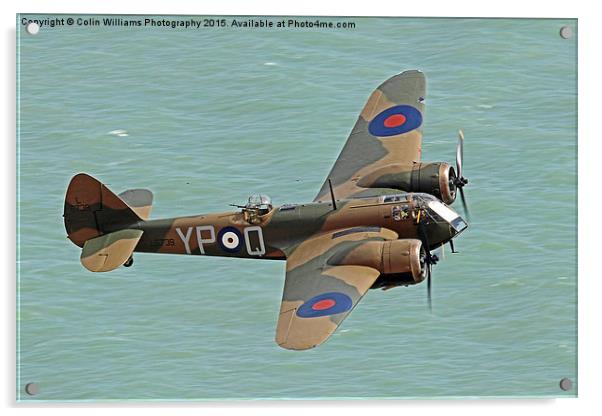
pixel 295 343
pixel 299 345
pixel 293 347
pixel 410 73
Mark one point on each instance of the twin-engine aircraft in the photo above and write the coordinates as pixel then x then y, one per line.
pixel 374 223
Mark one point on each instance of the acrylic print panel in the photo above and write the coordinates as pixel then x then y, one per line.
pixel 205 111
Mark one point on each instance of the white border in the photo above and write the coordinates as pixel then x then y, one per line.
pixel 589 148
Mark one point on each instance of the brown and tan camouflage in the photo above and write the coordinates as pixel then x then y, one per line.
pixel 364 153
pixel 109 251
pixel 92 210
pixel 375 236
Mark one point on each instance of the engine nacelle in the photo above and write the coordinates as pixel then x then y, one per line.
pixel 435 178
pixel 403 259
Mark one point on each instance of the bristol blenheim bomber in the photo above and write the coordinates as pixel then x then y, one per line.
pixel 374 223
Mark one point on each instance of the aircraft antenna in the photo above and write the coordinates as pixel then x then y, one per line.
pixel 334 203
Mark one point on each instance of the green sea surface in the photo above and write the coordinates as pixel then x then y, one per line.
pixel 214 114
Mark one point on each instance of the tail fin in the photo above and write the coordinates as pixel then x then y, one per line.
pixel 140 200
pixel 98 220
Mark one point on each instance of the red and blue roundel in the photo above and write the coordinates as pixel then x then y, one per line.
pixel 325 304
pixel 230 239
pixel 395 120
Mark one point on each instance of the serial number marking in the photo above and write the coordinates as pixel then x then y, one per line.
pixel 160 242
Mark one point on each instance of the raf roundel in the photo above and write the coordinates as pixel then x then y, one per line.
pixel 395 120
pixel 325 304
pixel 230 239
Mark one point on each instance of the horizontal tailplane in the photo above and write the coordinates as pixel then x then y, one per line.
pixel 109 251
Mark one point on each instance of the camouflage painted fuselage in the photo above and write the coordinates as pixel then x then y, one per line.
pixel 228 234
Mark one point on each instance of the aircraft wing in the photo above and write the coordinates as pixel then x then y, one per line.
pixel 388 130
pixel 318 296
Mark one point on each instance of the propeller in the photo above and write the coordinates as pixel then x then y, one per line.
pixel 459 180
pixel 430 259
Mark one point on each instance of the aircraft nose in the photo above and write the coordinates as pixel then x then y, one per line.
pixel 449 215
pixel 458 224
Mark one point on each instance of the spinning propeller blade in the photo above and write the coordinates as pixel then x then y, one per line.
pixel 459 153
pixel 460 180
pixel 430 260
pixel 464 204
pixel 428 287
